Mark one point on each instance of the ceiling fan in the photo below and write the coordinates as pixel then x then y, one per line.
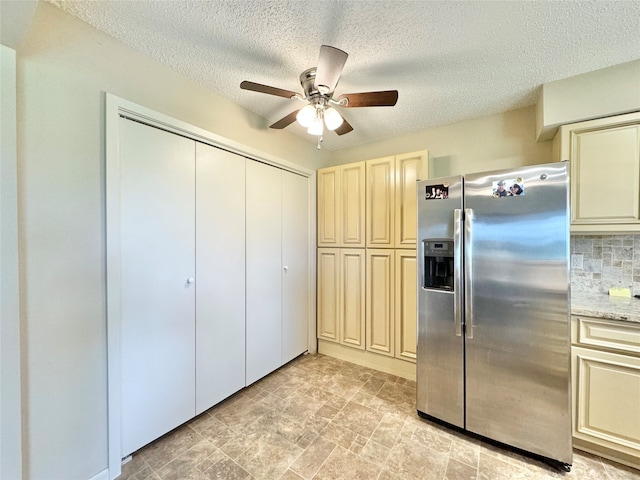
pixel 318 84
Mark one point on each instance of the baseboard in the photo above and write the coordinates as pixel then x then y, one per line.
pixel 382 363
pixel 103 475
pixel 608 453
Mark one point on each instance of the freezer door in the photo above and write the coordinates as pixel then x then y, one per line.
pixel 440 350
pixel 517 306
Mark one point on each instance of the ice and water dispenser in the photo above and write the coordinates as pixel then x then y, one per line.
pixel 438 265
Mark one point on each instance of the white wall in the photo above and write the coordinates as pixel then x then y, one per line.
pixel 10 397
pixel 486 143
pixel 64 66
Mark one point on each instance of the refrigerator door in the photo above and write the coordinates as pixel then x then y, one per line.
pixel 440 354
pixel 517 306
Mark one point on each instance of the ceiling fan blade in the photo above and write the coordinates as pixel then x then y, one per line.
pixel 258 87
pixel 285 121
pixel 344 128
pixel 329 69
pixel 388 98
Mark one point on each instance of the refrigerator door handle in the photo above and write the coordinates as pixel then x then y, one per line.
pixel 458 292
pixel 468 271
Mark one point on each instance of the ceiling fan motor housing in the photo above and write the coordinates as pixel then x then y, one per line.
pixel 307 80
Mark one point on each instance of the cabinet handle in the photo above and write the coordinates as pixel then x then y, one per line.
pixel 286 269
pixel 190 280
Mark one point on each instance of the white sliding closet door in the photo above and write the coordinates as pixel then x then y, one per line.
pixel 220 265
pixel 264 270
pixel 157 228
pixel 295 259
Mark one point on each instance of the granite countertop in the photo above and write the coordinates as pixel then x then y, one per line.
pixel 604 306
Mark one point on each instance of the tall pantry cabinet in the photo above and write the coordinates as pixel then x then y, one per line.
pixel 213 276
pixel 367 277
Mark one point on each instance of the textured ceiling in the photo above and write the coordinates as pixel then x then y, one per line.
pixel 449 60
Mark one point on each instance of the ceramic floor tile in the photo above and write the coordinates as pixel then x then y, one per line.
pixel 358 419
pixel 269 457
pixel 226 469
pixel 310 461
pixel 320 418
pixel 162 451
pixel 460 471
pixel 345 465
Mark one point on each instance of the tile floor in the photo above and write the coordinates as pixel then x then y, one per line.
pixel 319 418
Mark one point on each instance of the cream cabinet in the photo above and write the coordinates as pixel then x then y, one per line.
pixel 341 296
pixel 341 206
pixel 380 325
pixel 606 388
pixel 380 202
pixel 366 298
pixel 605 173
pixel 328 287
pixel 405 305
pixel 410 167
pixel 391 199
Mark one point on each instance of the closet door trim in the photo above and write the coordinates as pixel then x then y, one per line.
pixel 116 107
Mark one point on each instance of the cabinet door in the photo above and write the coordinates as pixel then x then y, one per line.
pixel 328 285
pixel 295 269
pixel 352 195
pixel 329 210
pixel 409 168
pixel 406 313
pixel 158 301
pixel 380 202
pixel 264 270
pixel 379 301
pixel 606 389
pixel 220 265
pixel 352 297
pixel 605 171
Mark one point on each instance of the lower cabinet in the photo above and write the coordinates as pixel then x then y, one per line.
pixel 367 301
pixel 341 294
pixel 606 388
pixel 405 305
pixel 380 326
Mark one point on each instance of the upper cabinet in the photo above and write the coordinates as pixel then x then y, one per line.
pixel 391 199
pixel 380 202
pixel 605 173
pixel 410 167
pixel 341 206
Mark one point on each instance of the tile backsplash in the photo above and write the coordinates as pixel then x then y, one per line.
pixel 607 261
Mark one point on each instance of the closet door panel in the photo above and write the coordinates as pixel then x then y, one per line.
pixel 295 260
pixel 220 275
pixel 157 255
pixel 264 270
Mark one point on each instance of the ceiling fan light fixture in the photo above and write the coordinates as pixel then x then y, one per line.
pixel 306 115
pixel 332 118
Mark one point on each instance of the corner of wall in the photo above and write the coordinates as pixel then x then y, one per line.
pixel 10 371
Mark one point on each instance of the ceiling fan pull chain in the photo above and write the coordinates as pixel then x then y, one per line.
pixel 320 138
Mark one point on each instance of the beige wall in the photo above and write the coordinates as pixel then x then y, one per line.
pixel 486 143
pixel 10 395
pixel 63 68
pixel 602 93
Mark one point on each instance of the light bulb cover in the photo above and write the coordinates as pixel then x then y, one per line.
pixel 332 118
pixel 306 115
pixel 316 127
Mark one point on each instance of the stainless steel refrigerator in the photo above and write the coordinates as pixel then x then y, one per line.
pixel 493 352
